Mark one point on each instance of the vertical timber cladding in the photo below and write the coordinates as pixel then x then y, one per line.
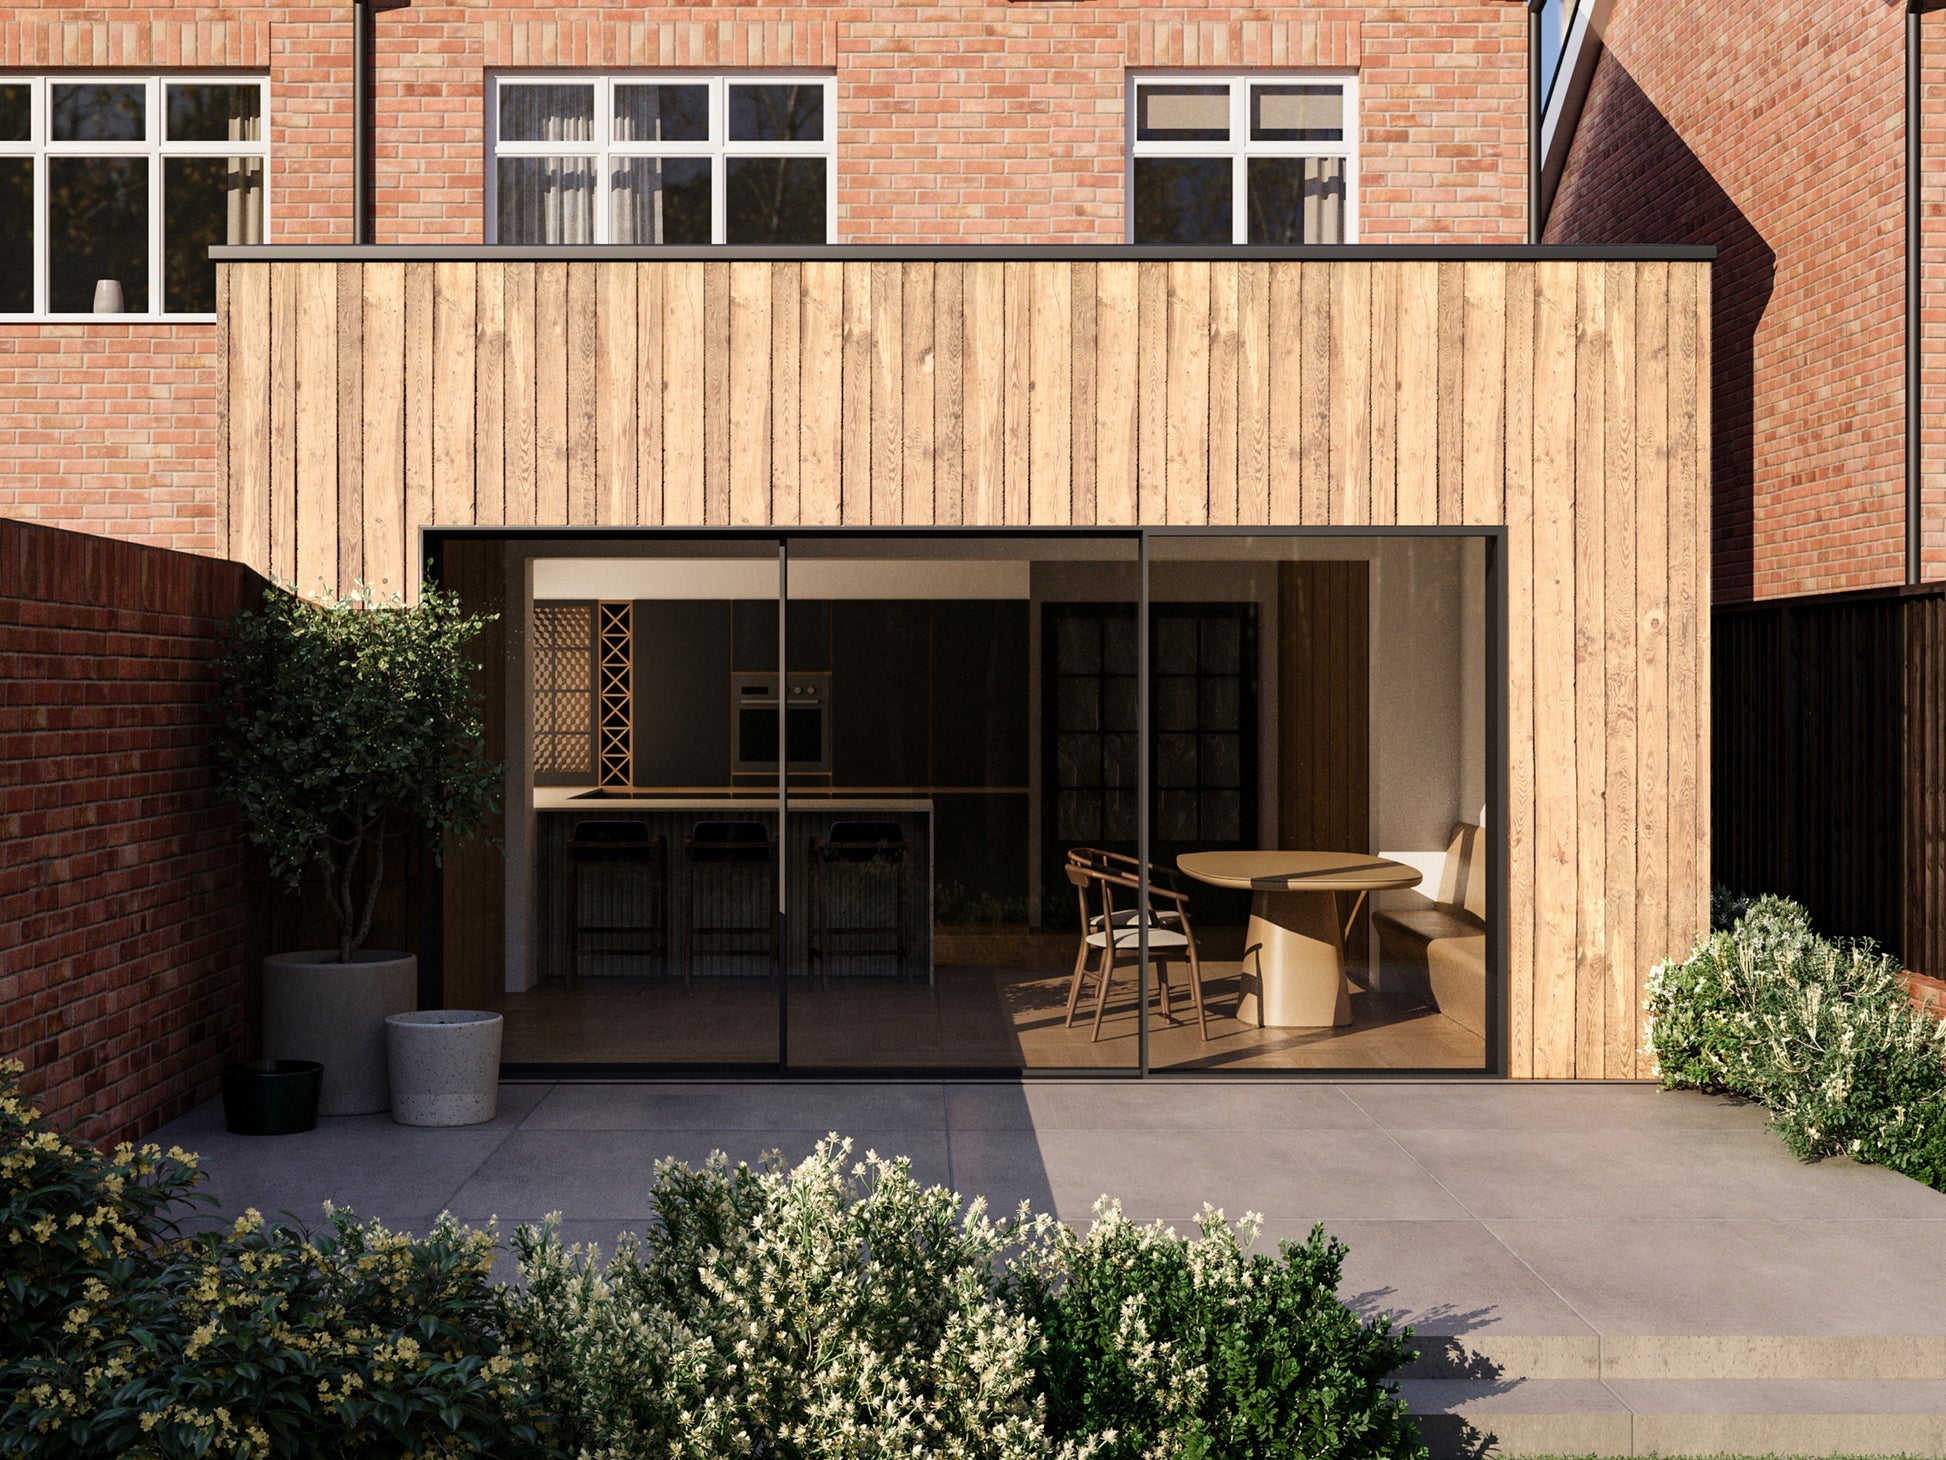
pixel 1563 397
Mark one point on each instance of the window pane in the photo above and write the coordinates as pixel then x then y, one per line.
pixel 16 111
pixel 205 200
pixel 16 235
pixel 1183 200
pixel 207 111
pixel 662 114
pixel 774 200
pixel 1297 114
pixel 546 200
pixel 660 200
pixel 557 112
pixel 98 228
pixel 98 111
pixel 772 113
pixel 1297 200
pixel 1179 113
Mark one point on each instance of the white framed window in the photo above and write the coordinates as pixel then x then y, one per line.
pixel 113 187
pixel 1264 157
pixel 679 158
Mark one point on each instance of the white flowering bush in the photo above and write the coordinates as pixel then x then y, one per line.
pixel 1821 1032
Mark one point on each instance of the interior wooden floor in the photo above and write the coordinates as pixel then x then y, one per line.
pixel 972 1016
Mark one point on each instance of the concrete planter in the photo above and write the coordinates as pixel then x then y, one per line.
pixel 316 1008
pixel 445 1066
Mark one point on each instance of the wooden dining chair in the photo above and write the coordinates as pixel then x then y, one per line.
pixel 1160 878
pixel 1110 931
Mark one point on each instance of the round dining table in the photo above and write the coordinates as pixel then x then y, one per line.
pixel 1294 949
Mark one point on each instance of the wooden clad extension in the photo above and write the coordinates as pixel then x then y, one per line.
pixel 1563 397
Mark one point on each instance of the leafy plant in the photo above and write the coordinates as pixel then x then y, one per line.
pixel 342 717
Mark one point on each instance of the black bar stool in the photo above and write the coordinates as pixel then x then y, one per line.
pixel 869 849
pixel 620 845
pixel 734 863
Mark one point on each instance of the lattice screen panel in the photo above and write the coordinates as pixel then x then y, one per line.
pixel 564 660
pixel 615 682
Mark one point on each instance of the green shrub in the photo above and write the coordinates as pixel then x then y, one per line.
pixel 125 1338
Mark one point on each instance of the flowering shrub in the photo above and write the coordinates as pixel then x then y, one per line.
pixel 1820 1032
pixel 124 1338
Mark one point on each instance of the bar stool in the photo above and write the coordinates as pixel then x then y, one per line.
pixel 870 848
pixel 597 845
pixel 724 858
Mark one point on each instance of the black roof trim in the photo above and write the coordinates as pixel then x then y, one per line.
pixel 956 253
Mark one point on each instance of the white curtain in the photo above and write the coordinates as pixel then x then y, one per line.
pixel 1324 200
pixel 546 199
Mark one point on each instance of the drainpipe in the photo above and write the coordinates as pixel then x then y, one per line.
pixel 1534 8
pixel 361 92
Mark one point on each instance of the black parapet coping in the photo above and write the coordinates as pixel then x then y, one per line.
pixel 966 253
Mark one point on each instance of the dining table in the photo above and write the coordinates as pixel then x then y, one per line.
pixel 1293 974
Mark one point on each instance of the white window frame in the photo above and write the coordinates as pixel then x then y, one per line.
pixel 153 147
pixel 1239 147
pixel 602 147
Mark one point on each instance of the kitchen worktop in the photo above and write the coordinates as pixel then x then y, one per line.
pixel 576 798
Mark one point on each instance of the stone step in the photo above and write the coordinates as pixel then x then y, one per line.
pixel 1588 1356
pixel 1630 1417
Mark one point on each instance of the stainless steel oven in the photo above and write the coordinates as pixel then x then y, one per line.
pixel 754 706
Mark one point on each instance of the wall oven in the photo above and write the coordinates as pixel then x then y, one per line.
pixel 755 701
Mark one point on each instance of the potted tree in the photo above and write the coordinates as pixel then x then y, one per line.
pixel 342 719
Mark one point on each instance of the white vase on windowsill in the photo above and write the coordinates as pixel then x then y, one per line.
pixel 108 296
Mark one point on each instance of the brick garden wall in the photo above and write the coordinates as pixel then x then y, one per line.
pixel 122 882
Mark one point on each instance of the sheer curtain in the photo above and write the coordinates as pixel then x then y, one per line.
pixel 546 199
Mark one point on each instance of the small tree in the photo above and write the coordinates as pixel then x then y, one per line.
pixel 340 718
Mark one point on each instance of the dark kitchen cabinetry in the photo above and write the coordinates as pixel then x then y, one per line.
pixel 808 622
pixel 979 693
pixel 881 658
pixel 682 692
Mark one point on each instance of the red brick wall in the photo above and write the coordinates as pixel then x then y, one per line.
pixel 122 920
pixel 1775 132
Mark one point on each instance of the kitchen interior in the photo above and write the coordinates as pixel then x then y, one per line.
pixel 960 725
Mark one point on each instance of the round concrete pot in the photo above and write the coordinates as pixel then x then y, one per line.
pixel 316 1008
pixel 445 1066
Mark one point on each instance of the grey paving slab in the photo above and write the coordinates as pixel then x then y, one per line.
pixel 1151 1105
pixel 777 1105
pixel 1451 1105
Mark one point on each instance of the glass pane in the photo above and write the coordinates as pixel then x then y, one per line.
pixel 777 113
pixel 98 231
pixel 660 200
pixel 546 200
pixel 1182 113
pixel 1297 114
pixel 205 201
pixel 16 111
pixel 98 111
pixel 552 112
pixel 662 113
pixel 1339 736
pixel 16 235
pixel 206 111
pixel 1297 200
pixel 774 200
pixel 1184 200
pixel 966 684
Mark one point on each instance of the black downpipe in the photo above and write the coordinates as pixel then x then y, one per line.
pixel 1534 8
pixel 1914 562
pixel 361 119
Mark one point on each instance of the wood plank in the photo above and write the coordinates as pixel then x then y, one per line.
pixel 1253 393
pixel 246 364
pixel 317 427
pixel 1084 308
pixel 418 419
pixel 1117 287
pixel 351 431
pixel 490 366
pixel 1688 674
pixel 283 425
pixel 1286 394
pixel 1484 426
pixel 649 281
pixel 519 397
pixel 382 420
pixel 1590 684
pixel 683 346
pixel 821 362
pixel 551 394
pixel 888 392
pixel 1385 395
pixel 1017 444
pixel 582 391
pixel 985 414
pixel 1351 400
pixel 455 295
pixel 716 393
pixel 1553 576
pixel 1418 387
pixel 616 393
pixel 1186 410
pixel 1620 1017
pixel 1453 404
pixel 1314 401
pixel 748 393
pixel 1652 628
pixel 1521 669
pixel 786 383
pixel 1223 443
pixel 1051 391
pixel 855 504
pixel 949 402
pixel 1152 392
pixel 1696 905
pixel 916 404
pixel 225 363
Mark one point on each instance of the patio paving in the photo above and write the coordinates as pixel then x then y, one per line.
pixel 1590 1268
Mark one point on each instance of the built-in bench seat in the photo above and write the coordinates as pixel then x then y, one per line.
pixel 1443 940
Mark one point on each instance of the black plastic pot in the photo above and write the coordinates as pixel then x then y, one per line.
pixel 271 1097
